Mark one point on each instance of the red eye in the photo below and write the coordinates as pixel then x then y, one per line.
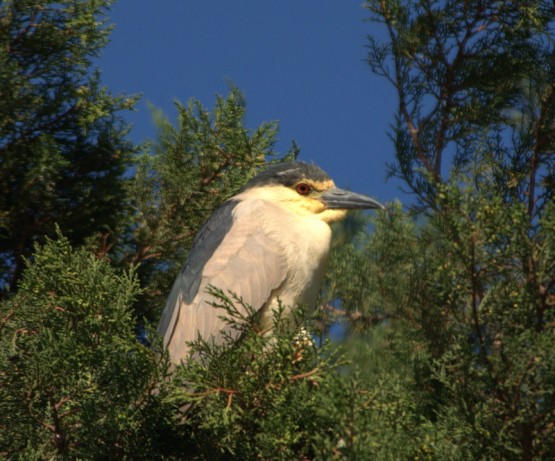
pixel 302 188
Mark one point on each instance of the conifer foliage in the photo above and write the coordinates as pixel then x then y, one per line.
pixel 74 381
pixel 462 287
pixel 448 305
pixel 62 142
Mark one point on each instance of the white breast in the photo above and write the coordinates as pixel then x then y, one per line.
pixel 305 243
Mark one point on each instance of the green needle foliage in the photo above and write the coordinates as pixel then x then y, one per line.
pixel 261 397
pixel 448 306
pixel 459 292
pixel 74 381
pixel 62 143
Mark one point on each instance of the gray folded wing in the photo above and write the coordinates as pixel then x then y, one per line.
pixel 235 255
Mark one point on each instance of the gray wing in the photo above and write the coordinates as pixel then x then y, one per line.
pixel 231 254
pixel 204 244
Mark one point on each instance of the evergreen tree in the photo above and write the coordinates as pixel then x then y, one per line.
pixel 461 287
pixel 63 149
pixel 74 381
pixel 449 305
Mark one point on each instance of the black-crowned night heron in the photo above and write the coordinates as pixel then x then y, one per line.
pixel 267 244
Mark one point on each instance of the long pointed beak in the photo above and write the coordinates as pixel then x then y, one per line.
pixel 336 198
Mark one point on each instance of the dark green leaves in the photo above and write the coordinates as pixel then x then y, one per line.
pixel 62 144
pixel 73 378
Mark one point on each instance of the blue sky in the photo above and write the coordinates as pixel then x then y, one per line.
pixel 299 62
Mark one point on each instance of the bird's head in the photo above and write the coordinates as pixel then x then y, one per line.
pixel 306 190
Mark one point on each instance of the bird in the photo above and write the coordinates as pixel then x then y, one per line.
pixel 268 245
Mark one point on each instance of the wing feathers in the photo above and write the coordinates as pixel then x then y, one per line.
pixel 187 283
pixel 247 262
